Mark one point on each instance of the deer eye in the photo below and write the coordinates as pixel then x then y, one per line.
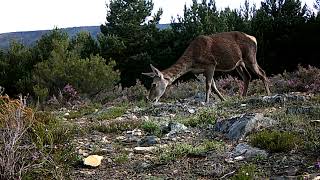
pixel 154 85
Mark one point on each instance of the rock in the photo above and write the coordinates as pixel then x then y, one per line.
pixel 244 151
pixel 302 110
pixel 143 150
pixel 279 99
pixel 120 138
pixel 66 114
pixel 148 141
pixel 177 127
pixel 93 160
pixel 83 152
pixel 238 127
pixel 191 111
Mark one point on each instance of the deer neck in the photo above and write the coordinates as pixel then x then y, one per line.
pixel 181 67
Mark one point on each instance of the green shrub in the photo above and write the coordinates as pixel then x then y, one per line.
pixel 112 113
pixel 203 117
pixel 275 141
pixel 175 151
pixel 63 67
pixel 152 127
pixel 117 126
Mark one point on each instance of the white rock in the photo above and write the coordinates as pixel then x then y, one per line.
pixel 144 149
pixel 191 111
pixel 66 114
pixel 239 158
pixel 93 160
pixel 120 138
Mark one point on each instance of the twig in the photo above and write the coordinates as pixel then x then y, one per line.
pixel 228 174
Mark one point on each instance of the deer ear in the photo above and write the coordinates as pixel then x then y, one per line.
pixel 156 71
pixel 151 74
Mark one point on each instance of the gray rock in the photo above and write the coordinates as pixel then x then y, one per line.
pixel 148 141
pixel 247 151
pixel 303 110
pixel 238 127
pixel 278 99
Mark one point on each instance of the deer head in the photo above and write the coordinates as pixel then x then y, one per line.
pixel 158 86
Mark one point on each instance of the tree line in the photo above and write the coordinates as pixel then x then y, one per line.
pixel 286 31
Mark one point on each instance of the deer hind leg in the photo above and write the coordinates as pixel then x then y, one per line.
pixel 246 77
pixel 262 75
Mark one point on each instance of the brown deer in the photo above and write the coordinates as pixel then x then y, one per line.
pixel 206 54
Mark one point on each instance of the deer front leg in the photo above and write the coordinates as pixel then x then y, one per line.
pixel 208 88
pixel 215 89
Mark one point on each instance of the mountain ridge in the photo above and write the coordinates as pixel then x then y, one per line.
pixel 29 38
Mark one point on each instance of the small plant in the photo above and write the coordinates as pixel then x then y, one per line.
pixel 230 86
pixel 275 141
pixel 121 158
pixel 117 126
pixel 83 111
pixel 246 172
pixel 152 128
pixel 41 93
pixel 203 117
pixel 112 113
pixel 181 150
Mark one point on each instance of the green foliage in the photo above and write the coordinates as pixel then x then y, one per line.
pixel 117 126
pixel 15 68
pixel 152 128
pixel 203 117
pixel 112 113
pixel 121 158
pixel 84 45
pixel 86 75
pixel 275 141
pixel 40 93
pixel 174 151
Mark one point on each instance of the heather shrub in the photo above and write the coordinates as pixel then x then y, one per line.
pixel 182 90
pixel 304 79
pixel 230 86
pixel 119 94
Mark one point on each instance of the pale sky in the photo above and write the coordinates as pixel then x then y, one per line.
pixel 28 15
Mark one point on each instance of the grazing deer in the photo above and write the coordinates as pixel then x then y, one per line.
pixel 206 54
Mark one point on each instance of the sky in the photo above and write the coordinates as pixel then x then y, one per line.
pixel 29 15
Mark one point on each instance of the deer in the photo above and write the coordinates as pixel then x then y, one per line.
pixel 206 54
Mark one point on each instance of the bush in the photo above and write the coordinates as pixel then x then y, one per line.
pixel 275 141
pixel 88 76
pixel 15 153
pixel 33 145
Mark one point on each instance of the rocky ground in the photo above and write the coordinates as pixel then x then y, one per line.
pixel 187 139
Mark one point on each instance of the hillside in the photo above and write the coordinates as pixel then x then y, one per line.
pixel 28 38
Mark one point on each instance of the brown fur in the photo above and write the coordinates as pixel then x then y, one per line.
pixel 219 52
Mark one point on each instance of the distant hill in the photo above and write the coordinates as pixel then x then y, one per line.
pixel 29 38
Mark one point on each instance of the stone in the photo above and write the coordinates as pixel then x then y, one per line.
pixel 143 150
pixel 148 141
pixel 244 151
pixel 191 111
pixel 302 110
pixel 93 160
pixel 238 127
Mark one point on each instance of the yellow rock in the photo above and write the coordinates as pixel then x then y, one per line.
pixel 93 160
